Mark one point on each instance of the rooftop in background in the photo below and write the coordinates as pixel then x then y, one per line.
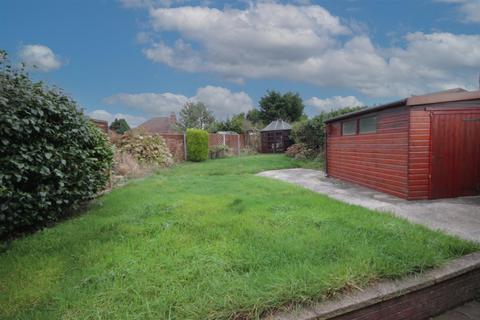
pixel 159 125
pixel 277 125
pixel 456 94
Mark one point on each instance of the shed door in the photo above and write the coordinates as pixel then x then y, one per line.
pixel 455 154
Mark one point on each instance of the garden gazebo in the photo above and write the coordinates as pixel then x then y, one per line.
pixel 276 137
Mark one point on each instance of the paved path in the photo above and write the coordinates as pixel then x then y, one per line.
pixel 469 311
pixel 458 216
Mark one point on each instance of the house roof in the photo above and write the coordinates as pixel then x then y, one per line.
pixel 157 125
pixel 277 125
pixel 456 94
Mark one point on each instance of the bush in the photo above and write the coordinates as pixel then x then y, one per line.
pixel 51 155
pixel 218 151
pixel 147 149
pixel 301 151
pixel 311 132
pixel 295 150
pixel 197 145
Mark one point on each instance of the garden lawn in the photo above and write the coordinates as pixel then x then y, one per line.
pixel 209 240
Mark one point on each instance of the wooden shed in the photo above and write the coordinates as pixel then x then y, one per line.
pixel 276 137
pixel 422 147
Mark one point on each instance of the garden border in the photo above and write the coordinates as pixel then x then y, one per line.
pixel 414 297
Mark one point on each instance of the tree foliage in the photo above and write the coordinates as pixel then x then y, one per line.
pixel 255 118
pixel 238 123
pixel 51 155
pixel 195 115
pixel 120 126
pixel 274 105
pixel 311 132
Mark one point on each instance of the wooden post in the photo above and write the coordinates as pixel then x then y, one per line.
pixel 185 146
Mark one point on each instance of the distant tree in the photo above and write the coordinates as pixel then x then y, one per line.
pixel 238 123
pixel 195 115
pixel 254 116
pixel 274 105
pixel 120 126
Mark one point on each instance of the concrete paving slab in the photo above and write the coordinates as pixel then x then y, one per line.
pixel 456 216
pixel 468 311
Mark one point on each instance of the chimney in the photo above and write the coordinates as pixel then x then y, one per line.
pixel 173 118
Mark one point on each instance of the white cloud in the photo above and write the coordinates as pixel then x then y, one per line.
pixel 470 9
pixel 150 103
pixel 39 56
pixel 308 44
pixel 333 103
pixel 223 102
pixel 220 100
pixel 132 121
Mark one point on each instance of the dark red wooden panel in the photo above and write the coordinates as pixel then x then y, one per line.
pixel 376 160
pixel 455 155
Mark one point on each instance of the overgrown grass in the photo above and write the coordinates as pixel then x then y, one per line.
pixel 209 240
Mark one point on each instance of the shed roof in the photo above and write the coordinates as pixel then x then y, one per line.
pixel 456 94
pixel 277 125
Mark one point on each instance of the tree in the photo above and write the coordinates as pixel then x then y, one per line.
pixel 120 126
pixel 51 155
pixel 195 115
pixel 238 123
pixel 274 105
pixel 255 118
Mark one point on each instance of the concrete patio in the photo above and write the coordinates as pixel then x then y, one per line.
pixel 457 216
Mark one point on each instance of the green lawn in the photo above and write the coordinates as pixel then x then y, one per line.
pixel 209 240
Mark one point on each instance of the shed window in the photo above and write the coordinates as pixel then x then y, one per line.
pixel 349 127
pixel 368 125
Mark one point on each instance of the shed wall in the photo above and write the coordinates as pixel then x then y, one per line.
pixel 420 136
pixel 419 154
pixel 376 160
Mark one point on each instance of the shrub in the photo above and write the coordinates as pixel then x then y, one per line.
pixel 51 155
pixel 147 149
pixel 218 151
pixel 197 145
pixel 295 149
pixel 311 132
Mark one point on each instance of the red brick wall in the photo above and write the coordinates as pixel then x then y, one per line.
pixel 174 142
pixel 101 124
pixel 423 303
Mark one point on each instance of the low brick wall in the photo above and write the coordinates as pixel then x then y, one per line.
pixel 423 303
pixel 416 297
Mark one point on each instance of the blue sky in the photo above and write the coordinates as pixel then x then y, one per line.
pixel 144 58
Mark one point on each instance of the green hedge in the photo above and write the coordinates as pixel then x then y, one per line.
pixel 51 155
pixel 197 145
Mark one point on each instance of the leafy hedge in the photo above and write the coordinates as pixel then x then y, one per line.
pixel 51 155
pixel 197 145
